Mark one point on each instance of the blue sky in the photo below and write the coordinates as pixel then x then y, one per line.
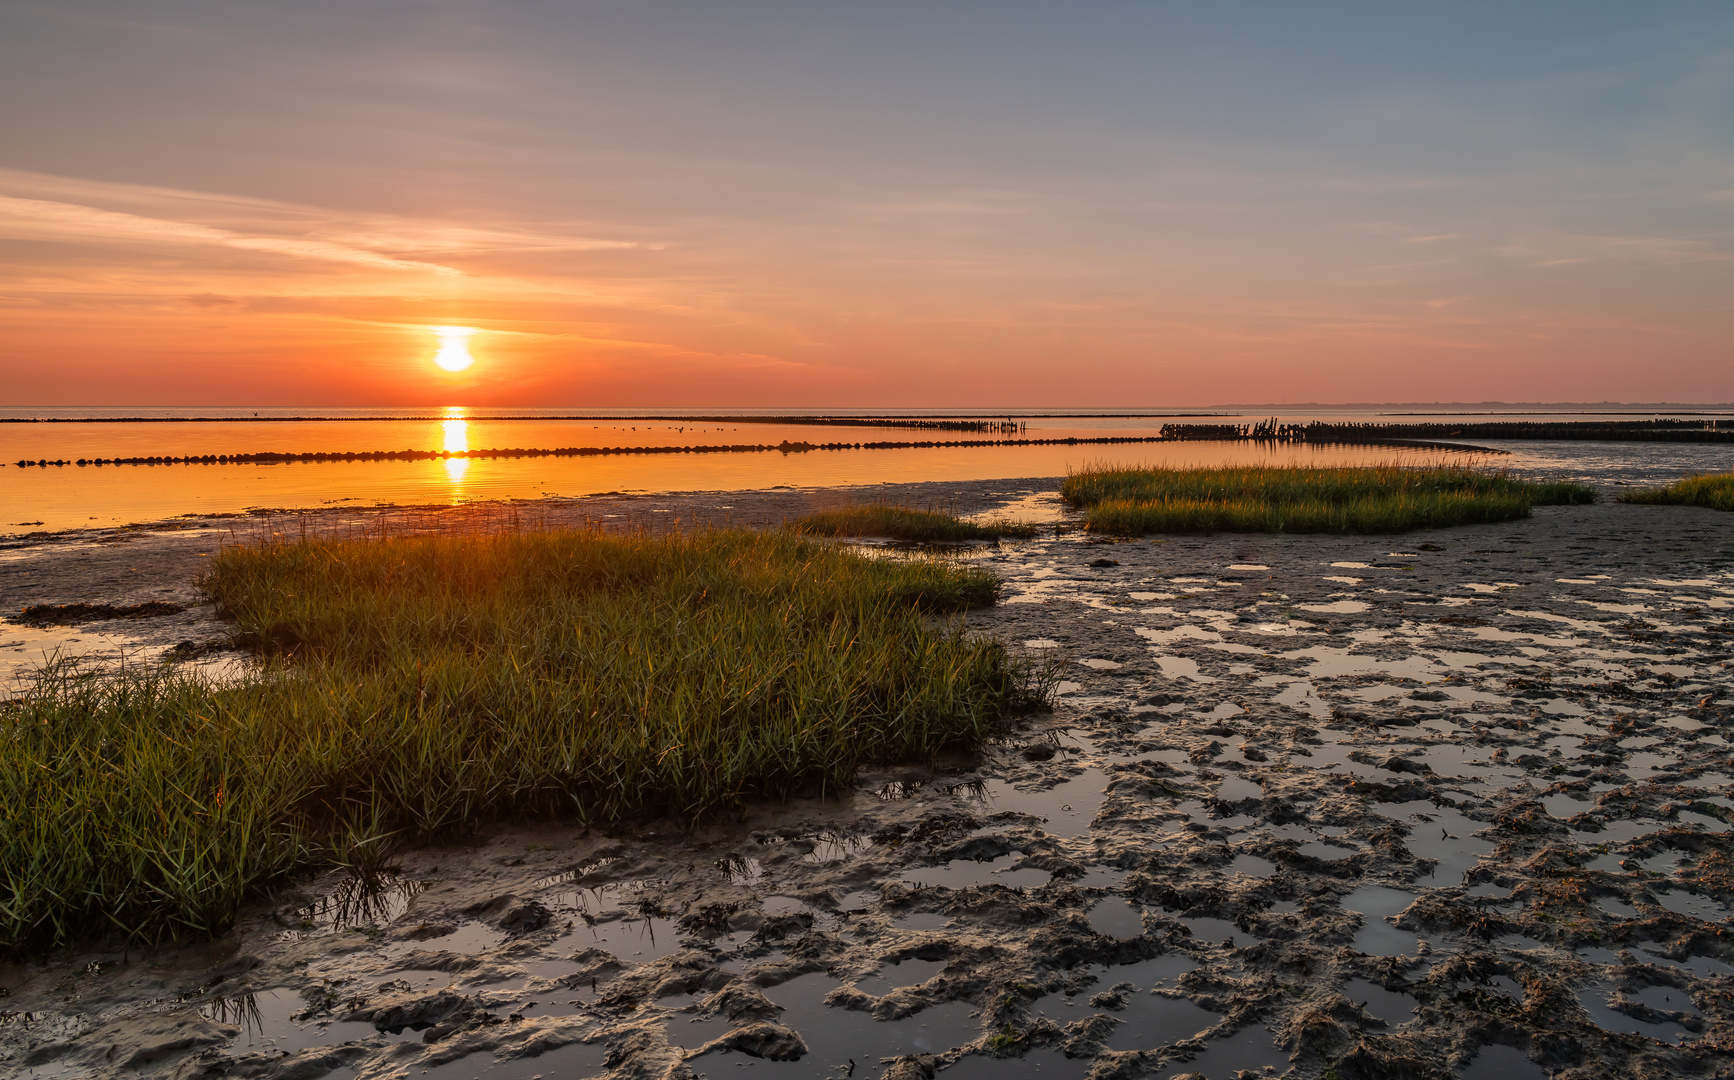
pixel 871 203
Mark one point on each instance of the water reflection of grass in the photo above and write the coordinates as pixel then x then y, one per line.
pixel 1715 490
pixel 1379 499
pixel 416 686
pixel 902 523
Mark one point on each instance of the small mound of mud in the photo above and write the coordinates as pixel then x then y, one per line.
pixel 72 614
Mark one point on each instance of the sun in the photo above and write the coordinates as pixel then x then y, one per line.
pixel 454 354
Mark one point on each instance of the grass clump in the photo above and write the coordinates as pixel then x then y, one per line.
pixel 1715 490
pixel 1383 499
pixel 417 686
pixel 902 523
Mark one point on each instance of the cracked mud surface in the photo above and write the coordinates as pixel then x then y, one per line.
pixel 1456 802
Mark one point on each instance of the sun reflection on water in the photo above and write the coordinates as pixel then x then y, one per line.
pixel 457 438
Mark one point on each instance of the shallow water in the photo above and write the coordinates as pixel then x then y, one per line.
pixel 1389 1006
pixel 1502 1063
pixel 1376 905
pixel 272 1020
pixel 835 1035
pixel 575 1060
pixel 963 873
pixel 901 973
pixel 1251 1047
pixel 1036 1063
pixel 1117 918
pixel 96 496
pixel 1150 1021
pixel 1597 1001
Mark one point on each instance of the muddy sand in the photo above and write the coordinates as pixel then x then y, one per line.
pixel 1456 802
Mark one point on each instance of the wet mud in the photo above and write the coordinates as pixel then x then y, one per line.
pixel 1454 803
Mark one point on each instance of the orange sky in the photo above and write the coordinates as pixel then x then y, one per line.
pixel 635 208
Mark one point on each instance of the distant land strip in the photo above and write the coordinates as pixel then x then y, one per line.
pixel 785 447
pixel 1319 431
pixel 940 423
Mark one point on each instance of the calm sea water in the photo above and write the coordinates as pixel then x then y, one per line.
pixel 103 496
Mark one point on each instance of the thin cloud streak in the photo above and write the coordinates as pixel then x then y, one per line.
pixel 37 219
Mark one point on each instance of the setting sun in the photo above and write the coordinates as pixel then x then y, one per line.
pixel 454 354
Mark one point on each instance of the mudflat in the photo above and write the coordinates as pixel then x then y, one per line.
pixel 1451 801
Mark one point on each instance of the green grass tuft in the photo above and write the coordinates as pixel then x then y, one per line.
pixel 1386 499
pixel 902 523
pixel 421 685
pixel 1715 490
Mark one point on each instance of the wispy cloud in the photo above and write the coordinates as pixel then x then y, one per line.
pixel 39 206
pixel 40 219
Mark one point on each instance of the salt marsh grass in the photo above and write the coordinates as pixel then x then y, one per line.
pixel 1379 499
pixel 415 686
pixel 902 523
pixel 1715 490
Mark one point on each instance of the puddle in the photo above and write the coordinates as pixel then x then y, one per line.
pixel 1501 984
pixel 1516 943
pixel 1180 667
pixel 1299 695
pixel 1388 1005
pixel 1328 663
pixel 963 873
pixel 1249 1048
pixel 1210 930
pixel 1234 789
pixel 1149 974
pixel 782 905
pixel 834 1035
pixel 1068 806
pixel 1664 999
pixel 1617 908
pixel 574 1061
pixel 1715 781
pixel 1695 905
pixel 353 902
pixel 1102 665
pixel 692 1032
pixel 1598 1002
pixel 468 939
pixel 1321 849
pixel 1615 832
pixel 1710 824
pixel 1117 918
pixel 1048 1063
pixel 1641 765
pixel 1151 1020
pixel 265 1020
pixel 904 973
pixel 1698 965
pixel 1251 866
pixel 1564 807
pixel 1498 1062
pixel 1376 905
pixel 1444 834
